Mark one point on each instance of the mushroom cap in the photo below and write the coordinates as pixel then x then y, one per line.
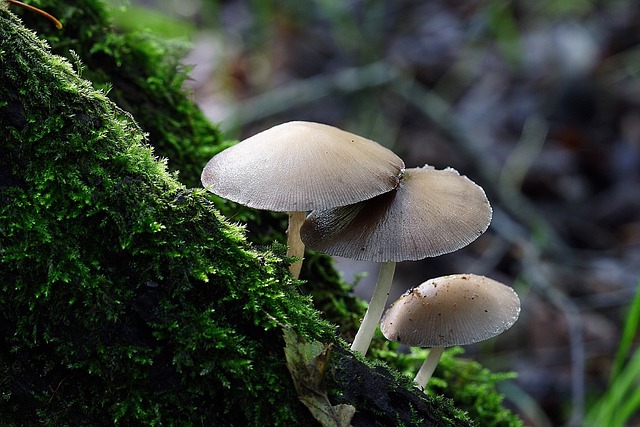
pixel 451 310
pixel 430 213
pixel 300 166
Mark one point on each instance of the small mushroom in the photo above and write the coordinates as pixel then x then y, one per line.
pixel 460 309
pixel 299 166
pixel 430 213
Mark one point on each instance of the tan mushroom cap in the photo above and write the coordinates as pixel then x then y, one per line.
pixel 452 310
pixel 300 166
pixel 431 212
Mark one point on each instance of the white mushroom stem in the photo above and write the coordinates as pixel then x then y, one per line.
pixel 376 307
pixel 429 365
pixel 294 243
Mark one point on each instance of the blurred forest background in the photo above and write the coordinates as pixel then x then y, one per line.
pixel 537 101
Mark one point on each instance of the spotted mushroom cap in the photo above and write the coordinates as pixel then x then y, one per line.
pixel 451 310
pixel 301 166
pixel 432 212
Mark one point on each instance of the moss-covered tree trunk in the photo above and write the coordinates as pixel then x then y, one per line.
pixel 126 298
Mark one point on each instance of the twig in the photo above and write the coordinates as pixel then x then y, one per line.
pixel 55 391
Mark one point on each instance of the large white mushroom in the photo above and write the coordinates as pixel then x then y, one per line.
pixel 299 166
pixel 432 212
pixel 460 309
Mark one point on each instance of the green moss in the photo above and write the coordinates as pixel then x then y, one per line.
pixel 473 388
pixel 141 73
pixel 331 295
pixel 467 384
pixel 118 283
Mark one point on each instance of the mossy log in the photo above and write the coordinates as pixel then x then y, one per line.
pixel 125 297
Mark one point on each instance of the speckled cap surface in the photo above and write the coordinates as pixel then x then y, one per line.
pixel 451 310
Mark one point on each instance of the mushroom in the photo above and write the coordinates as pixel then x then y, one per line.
pixel 299 166
pixel 451 310
pixel 430 213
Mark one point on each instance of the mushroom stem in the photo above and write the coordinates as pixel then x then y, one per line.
pixel 41 12
pixel 376 307
pixel 428 366
pixel 294 243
